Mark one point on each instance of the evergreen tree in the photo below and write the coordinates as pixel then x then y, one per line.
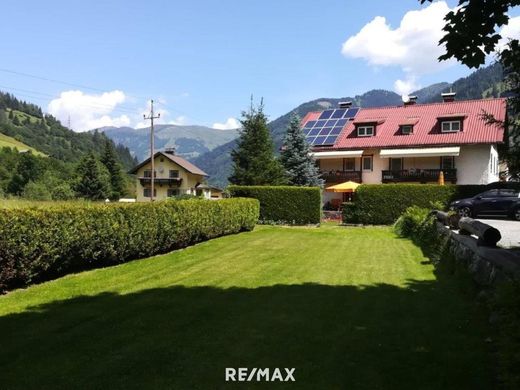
pixel 92 179
pixel 117 180
pixel 16 121
pixel 254 162
pixel 300 166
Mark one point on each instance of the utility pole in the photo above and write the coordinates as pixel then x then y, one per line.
pixel 151 117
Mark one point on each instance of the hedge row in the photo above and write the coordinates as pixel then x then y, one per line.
pixel 384 203
pixel 284 204
pixel 39 244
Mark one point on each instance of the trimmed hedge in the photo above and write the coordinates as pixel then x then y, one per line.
pixel 40 244
pixel 382 204
pixel 284 204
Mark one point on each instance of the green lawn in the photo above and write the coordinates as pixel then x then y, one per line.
pixel 349 308
pixel 10 142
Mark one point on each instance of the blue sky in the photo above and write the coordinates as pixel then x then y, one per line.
pixel 203 59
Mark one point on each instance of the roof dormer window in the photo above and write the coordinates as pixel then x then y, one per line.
pixel 451 126
pixel 406 129
pixel 365 131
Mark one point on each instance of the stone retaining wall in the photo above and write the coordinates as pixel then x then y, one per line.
pixel 487 266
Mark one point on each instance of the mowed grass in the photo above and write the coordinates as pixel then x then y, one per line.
pixel 348 308
pixel 10 142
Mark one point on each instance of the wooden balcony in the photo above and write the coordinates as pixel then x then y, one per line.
pixel 341 176
pixel 419 175
pixel 169 181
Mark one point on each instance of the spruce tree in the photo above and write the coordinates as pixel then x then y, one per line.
pixel 117 180
pixel 300 166
pixel 92 179
pixel 254 162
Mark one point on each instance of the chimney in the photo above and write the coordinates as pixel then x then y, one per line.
pixel 448 97
pixel 169 151
pixel 345 104
pixel 410 100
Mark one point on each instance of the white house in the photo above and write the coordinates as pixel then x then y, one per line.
pixel 411 143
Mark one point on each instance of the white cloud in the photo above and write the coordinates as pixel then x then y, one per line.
pixel 88 112
pixel 510 31
pixel 404 87
pixel 231 123
pixel 413 46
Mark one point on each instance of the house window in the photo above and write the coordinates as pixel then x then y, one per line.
pixel 367 163
pixel 148 191
pixel 450 126
pixel 174 173
pixel 148 173
pixel 447 162
pixel 396 164
pixel 406 129
pixel 365 131
pixel 173 192
pixel 350 164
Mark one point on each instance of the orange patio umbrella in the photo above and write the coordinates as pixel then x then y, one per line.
pixel 441 178
pixel 348 186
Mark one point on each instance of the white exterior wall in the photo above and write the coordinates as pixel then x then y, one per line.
pixel 477 164
pixel 378 164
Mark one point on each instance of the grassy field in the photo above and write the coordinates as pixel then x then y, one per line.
pixel 348 308
pixel 10 142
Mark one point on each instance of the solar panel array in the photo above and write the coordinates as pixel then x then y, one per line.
pixel 326 129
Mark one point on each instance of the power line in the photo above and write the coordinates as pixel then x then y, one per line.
pixel 37 77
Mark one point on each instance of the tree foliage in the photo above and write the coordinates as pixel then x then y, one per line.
pixel 117 179
pixel 300 167
pixel 93 180
pixel 472 34
pixel 254 162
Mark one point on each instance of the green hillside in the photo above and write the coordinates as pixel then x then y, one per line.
pixel 50 168
pixel 28 124
pixel 10 142
pixel 483 83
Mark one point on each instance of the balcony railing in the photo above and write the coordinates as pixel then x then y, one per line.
pixel 419 175
pixel 170 181
pixel 341 176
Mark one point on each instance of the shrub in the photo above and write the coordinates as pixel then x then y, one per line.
pixel 411 221
pixel 284 204
pixel 384 203
pixel 349 212
pixel 36 191
pixel 43 243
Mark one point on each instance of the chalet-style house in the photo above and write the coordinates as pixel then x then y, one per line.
pixel 411 143
pixel 174 175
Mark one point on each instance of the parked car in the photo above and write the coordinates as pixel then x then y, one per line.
pixel 501 202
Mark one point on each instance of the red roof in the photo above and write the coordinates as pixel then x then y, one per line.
pixel 426 124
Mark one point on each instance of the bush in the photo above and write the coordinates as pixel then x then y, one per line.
pixel 384 203
pixel 284 204
pixel 36 191
pixel 411 222
pixel 43 243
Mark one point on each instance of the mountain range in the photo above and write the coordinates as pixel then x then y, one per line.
pixel 210 149
pixel 189 142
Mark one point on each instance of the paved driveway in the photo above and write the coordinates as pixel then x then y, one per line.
pixel 509 229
